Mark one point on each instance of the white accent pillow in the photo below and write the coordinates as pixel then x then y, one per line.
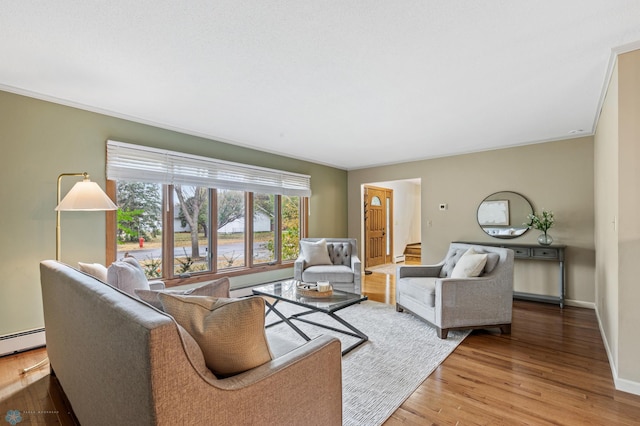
pixel 471 264
pixel 95 270
pixel 127 275
pixel 315 253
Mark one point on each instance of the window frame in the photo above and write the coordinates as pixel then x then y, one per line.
pixel 167 238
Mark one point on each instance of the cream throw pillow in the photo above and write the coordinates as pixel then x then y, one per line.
pixel 469 265
pixel 230 332
pixel 216 288
pixel 94 269
pixel 315 253
pixel 127 275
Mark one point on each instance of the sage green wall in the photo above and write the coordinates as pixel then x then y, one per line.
pixel 40 140
pixel 556 175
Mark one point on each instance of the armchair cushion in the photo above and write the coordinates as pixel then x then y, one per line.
pixel 453 255
pixel 215 288
pixel 340 253
pixel 315 253
pixel 492 261
pixel 127 275
pixel 470 264
pixel 331 273
pixel 422 289
pixel 230 332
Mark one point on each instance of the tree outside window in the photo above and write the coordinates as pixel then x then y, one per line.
pixel 204 218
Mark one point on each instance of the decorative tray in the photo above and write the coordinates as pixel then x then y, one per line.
pixel 311 290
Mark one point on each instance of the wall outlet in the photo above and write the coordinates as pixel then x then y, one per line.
pixel 443 206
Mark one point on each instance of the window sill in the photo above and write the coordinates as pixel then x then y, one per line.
pixel 236 272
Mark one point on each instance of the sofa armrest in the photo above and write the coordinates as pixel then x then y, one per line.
pixel 298 267
pixel 310 376
pixel 356 267
pixel 324 349
pixel 356 264
pixel 418 271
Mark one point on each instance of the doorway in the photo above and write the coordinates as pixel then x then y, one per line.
pixel 378 232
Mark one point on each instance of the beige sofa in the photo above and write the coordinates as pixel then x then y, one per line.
pixel 121 361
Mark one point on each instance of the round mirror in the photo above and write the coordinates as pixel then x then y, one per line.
pixel 504 214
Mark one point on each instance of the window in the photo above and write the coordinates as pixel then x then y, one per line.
pixel 179 226
pixel 264 223
pixel 139 223
pixel 291 229
pixel 191 229
pixel 230 239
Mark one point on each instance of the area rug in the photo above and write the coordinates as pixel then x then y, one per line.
pixel 378 376
pixel 387 268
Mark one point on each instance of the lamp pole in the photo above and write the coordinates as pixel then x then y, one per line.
pixel 85 175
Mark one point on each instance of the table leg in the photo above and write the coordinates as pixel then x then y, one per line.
pixel 356 333
pixel 283 318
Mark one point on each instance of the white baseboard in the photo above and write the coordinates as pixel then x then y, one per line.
pixel 22 341
pixel 579 304
pixel 623 385
pixel 627 386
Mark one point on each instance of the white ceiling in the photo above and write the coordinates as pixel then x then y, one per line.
pixel 348 83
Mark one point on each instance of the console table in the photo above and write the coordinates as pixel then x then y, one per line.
pixel 553 253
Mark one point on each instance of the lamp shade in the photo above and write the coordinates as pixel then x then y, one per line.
pixel 86 196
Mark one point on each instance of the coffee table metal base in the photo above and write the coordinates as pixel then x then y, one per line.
pixel 354 332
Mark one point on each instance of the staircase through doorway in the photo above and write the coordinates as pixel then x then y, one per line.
pixel 413 253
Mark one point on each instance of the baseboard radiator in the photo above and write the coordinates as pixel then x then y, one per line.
pixel 22 341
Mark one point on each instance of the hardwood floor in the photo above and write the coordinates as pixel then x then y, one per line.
pixel 552 369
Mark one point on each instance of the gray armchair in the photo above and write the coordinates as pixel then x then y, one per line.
pixel 485 301
pixel 342 269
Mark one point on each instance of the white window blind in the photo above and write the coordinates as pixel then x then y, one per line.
pixel 144 164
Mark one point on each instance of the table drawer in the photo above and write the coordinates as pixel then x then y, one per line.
pixel 545 253
pixel 521 251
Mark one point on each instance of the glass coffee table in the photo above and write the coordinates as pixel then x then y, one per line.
pixel 285 291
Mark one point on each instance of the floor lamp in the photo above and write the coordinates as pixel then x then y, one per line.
pixel 84 196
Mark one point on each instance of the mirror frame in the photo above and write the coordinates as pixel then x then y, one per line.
pixel 500 212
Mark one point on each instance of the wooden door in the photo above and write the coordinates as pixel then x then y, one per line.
pixel 377 204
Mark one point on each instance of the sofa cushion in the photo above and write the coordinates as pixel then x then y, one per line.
pixel 215 288
pixel 453 255
pixel 470 264
pixel 230 332
pixel 95 270
pixel 340 253
pixel 422 289
pixel 331 273
pixel 127 275
pixel 315 253
pixel 492 261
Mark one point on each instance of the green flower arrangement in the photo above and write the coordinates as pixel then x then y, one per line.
pixel 543 221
